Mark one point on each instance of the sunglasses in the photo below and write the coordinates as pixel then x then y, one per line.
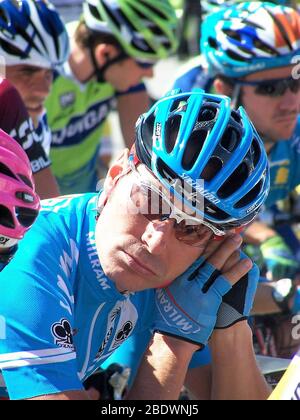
pixel 144 64
pixel 272 87
pixel 150 201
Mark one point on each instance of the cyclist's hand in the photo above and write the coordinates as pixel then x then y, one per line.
pixel 237 303
pixel 279 259
pixel 188 307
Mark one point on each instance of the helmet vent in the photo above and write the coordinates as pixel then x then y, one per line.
pixel 212 43
pixel 236 116
pixel 212 168
pixel 193 148
pixel 255 152
pixel 26 216
pixel 264 47
pixel 233 35
pixel 156 11
pixel 235 181
pixel 207 114
pixel 11 50
pixel 3 16
pixel 171 133
pixel 230 139
pixel 6 218
pixel 26 180
pixel 5 171
pixel 235 56
pixel 94 11
pixel 179 105
pixel 282 30
pixel 250 196
pixel 213 211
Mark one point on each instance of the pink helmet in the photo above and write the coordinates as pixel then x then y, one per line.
pixel 19 203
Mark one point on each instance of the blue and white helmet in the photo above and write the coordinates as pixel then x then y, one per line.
pixel 194 136
pixel 249 37
pixel 31 32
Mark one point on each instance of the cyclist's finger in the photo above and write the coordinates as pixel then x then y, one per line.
pixel 213 245
pixel 224 252
pixel 238 270
pixel 232 260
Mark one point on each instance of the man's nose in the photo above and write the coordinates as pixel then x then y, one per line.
pixel 157 235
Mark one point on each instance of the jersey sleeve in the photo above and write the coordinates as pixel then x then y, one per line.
pixel 37 352
pixel 15 121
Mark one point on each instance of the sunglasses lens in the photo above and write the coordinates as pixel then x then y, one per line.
pixel 194 235
pixel 271 89
pixel 295 85
pixel 278 88
pixel 154 207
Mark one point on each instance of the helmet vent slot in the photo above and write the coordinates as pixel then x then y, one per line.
pixel 26 216
pixel 6 171
pixel 250 196
pixel 6 219
pixel 235 181
pixel 193 148
pixel 172 131
pixel 212 168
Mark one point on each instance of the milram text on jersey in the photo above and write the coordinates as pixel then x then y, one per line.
pixel 69 316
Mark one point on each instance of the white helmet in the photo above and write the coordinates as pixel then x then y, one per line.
pixel 31 32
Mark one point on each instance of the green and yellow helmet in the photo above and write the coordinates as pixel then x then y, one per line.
pixel 146 29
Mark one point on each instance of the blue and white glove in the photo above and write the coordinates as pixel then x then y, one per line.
pixel 188 307
pixel 237 303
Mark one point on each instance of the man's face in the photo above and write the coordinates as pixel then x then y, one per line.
pixel 127 73
pixel 135 253
pixel 33 84
pixel 274 117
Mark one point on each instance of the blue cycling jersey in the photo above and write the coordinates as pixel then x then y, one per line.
pixel 70 317
pixel 284 157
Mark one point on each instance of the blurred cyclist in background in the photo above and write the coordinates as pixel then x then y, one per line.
pixel 19 203
pixel 113 47
pixel 33 41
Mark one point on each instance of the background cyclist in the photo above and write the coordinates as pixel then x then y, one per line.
pixel 33 41
pixel 113 47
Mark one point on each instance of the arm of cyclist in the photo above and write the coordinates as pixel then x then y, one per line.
pixel 235 374
pixel 278 257
pixel 183 327
pixel 46 185
pixel 130 106
pixel 38 357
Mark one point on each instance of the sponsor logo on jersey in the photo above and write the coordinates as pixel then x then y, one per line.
pixel 62 333
pixel 282 176
pixel 124 332
pixel 67 99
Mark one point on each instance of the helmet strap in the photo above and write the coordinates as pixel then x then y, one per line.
pixel 99 71
pixel 236 96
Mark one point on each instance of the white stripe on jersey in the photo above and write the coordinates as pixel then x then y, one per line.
pixel 34 360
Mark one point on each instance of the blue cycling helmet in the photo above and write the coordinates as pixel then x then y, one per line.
pixel 31 32
pixel 250 37
pixel 192 136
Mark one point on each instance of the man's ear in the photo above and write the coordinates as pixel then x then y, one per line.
pixel 104 52
pixel 222 88
pixel 118 167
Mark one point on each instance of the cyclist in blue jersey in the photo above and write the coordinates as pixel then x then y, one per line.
pixel 19 203
pixel 33 41
pixel 235 49
pixel 142 256
pixel 256 67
